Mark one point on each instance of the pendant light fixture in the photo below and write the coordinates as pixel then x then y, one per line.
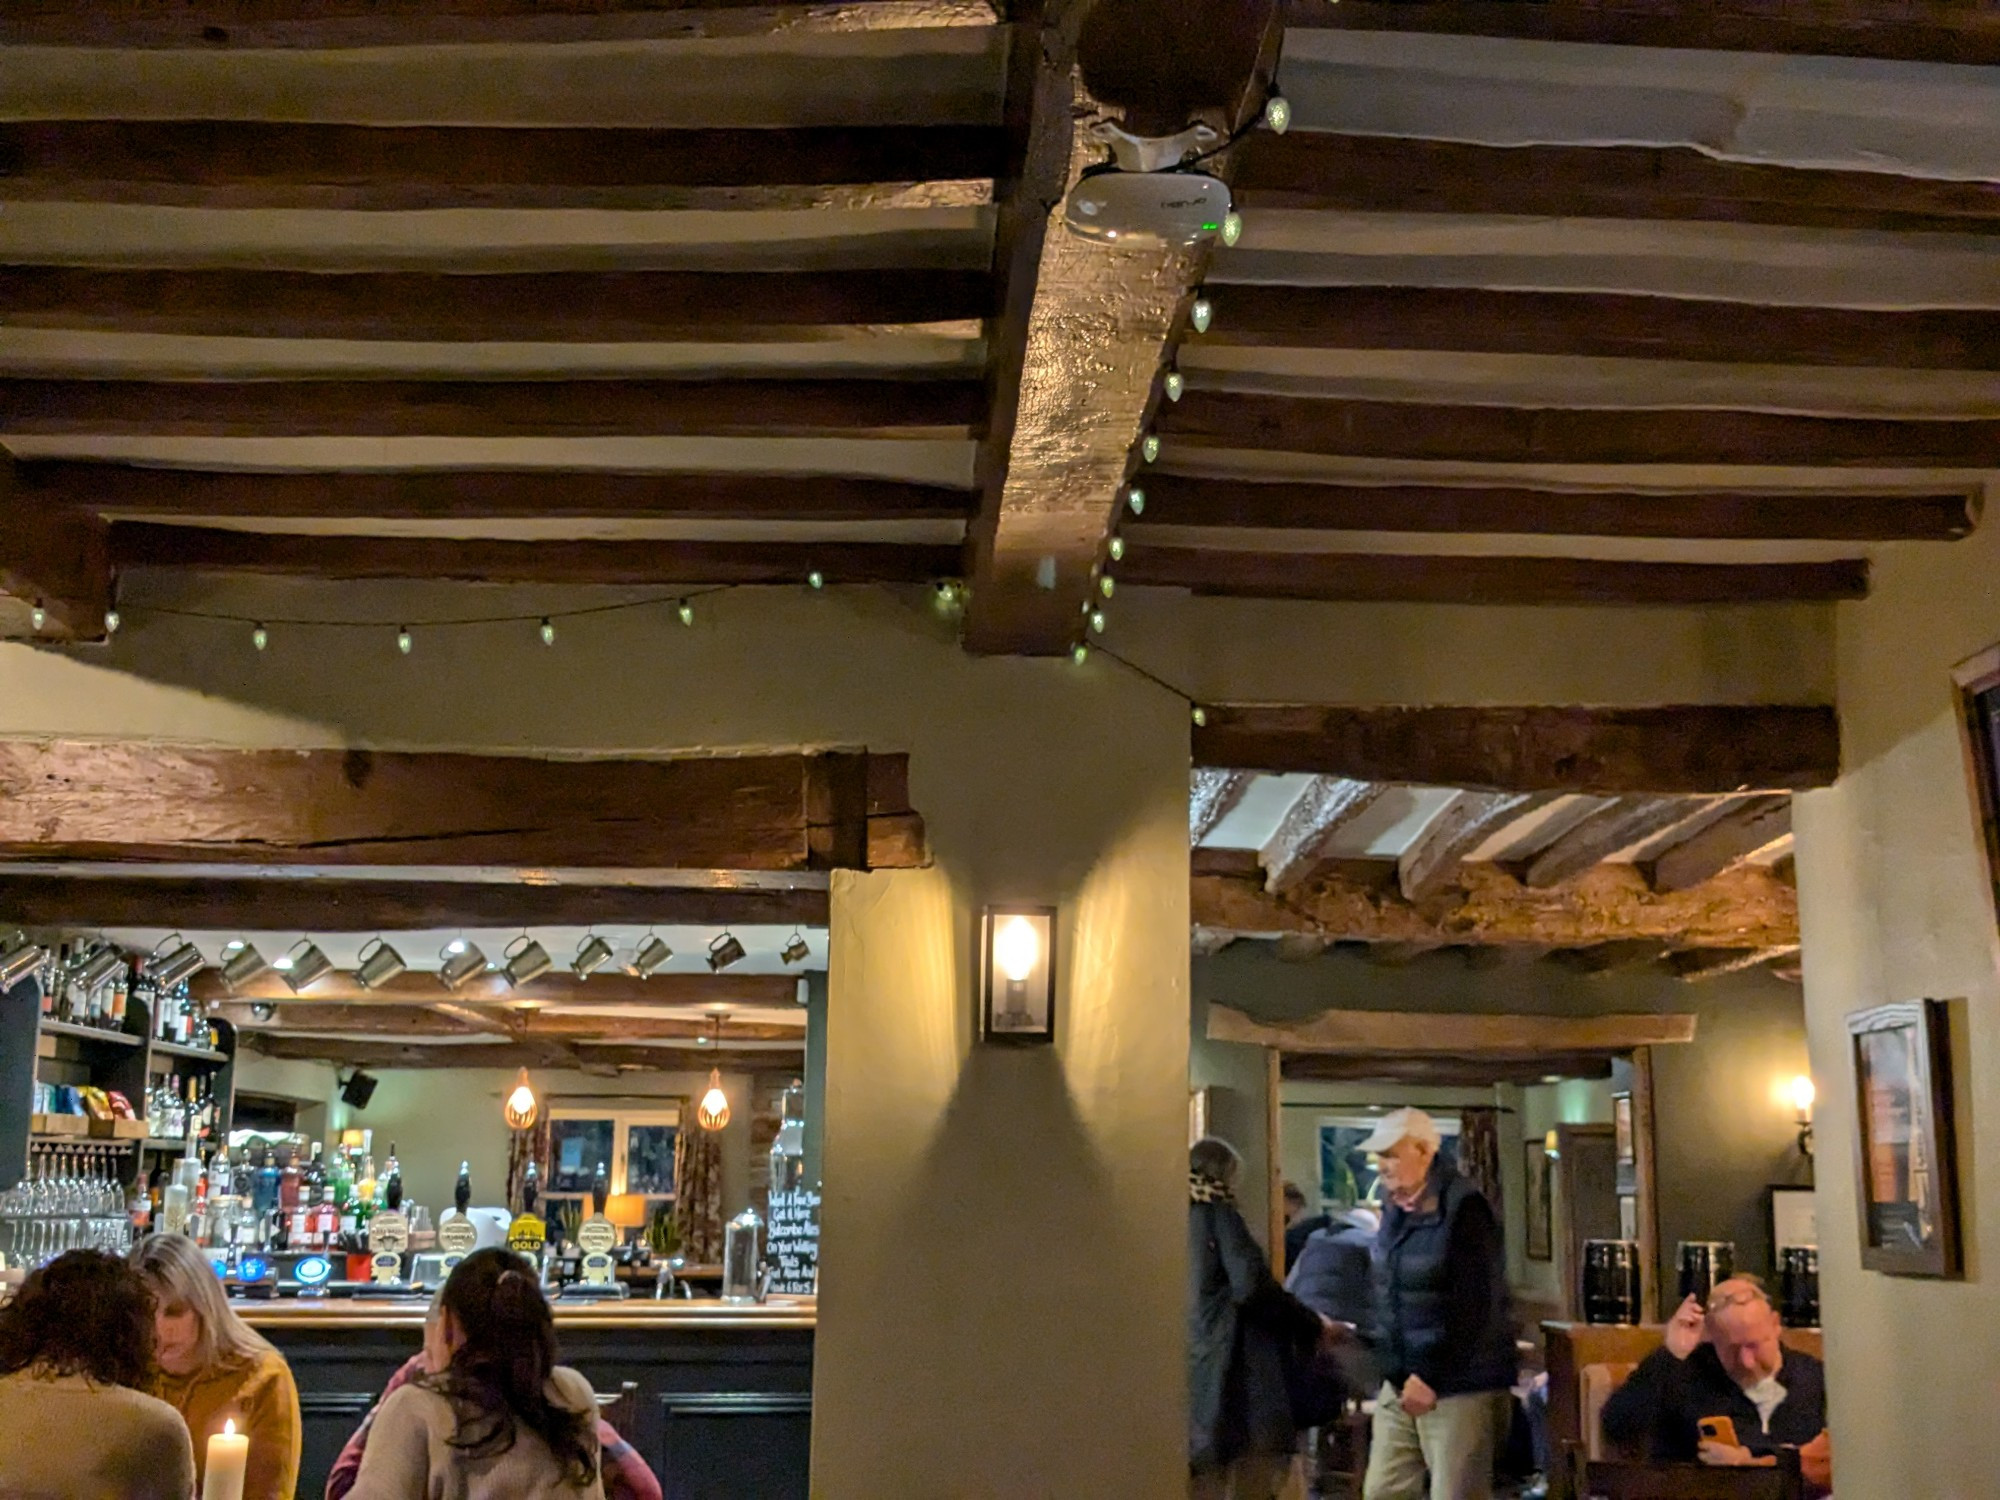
pixel 522 1107
pixel 713 1113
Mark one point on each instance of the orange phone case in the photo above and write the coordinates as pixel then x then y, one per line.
pixel 1719 1430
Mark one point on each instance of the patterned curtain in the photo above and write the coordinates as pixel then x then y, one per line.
pixel 524 1146
pixel 698 1190
pixel 1479 1153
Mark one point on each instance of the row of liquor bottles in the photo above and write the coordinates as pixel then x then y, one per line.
pixel 270 1199
pixel 94 984
pixel 183 1110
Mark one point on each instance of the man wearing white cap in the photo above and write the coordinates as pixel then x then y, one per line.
pixel 1443 1335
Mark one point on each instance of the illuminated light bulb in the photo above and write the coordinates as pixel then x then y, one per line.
pixel 1802 1093
pixel 1117 548
pixel 1136 498
pixel 1017 948
pixel 686 612
pixel 548 631
pixel 1097 621
pixel 815 579
pixel 522 1107
pixel 1150 447
pixel 259 637
pixel 1200 717
pixel 1176 386
pixel 405 642
pixel 1079 653
pixel 714 1111
pixel 1107 585
pixel 112 621
pixel 1202 314
pixel 38 617
pixel 1278 114
pixel 1232 227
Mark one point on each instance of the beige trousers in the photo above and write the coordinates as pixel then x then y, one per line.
pixel 1251 1478
pixel 1446 1454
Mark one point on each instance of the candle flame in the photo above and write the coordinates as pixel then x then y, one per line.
pixel 229 1427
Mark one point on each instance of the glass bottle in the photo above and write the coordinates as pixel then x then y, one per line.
pixel 392 1181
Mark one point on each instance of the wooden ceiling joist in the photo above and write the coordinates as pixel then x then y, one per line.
pixel 1424 578
pixel 1394 174
pixel 1745 832
pixel 55 558
pixel 1389 1033
pixel 263 905
pixel 1212 795
pixel 1551 435
pixel 1688 748
pixel 239 164
pixel 512 307
pixel 695 992
pixel 1304 836
pixel 1611 830
pixel 1085 327
pixel 1748 907
pixel 488 408
pixel 127 490
pixel 1882 29
pixel 1430 865
pixel 213 24
pixel 542 1054
pixel 1716 962
pixel 634 560
pixel 90 800
pixel 449 1020
pixel 1603 325
pixel 1441 1072
pixel 1823 515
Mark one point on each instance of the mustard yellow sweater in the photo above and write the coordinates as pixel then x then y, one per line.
pixel 264 1402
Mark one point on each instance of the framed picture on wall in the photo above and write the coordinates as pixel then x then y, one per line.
pixel 1540 1214
pixel 1794 1221
pixel 1979 717
pixel 1908 1167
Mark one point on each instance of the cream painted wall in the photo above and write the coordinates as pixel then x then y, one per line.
pixel 1895 905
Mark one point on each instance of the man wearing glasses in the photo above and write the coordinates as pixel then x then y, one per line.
pixel 1727 1362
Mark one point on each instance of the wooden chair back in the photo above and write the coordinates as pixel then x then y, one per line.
pixel 1616 1480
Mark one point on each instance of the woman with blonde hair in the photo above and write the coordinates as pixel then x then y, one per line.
pixel 213 1367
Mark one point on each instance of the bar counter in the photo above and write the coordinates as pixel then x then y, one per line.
pixel 717 1397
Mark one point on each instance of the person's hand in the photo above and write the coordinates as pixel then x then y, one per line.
pixel 1686 1329
pixel 1816 1461
pixel 1418 1399
pixel 1724 1455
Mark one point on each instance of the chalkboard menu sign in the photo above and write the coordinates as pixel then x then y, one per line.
pixel 792 1244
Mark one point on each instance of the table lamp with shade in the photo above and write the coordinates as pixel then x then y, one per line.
pixel 627 1212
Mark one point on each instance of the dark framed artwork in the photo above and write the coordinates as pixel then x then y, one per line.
pixel 1979 717
pixel 1908 1167
pixel 1540 1206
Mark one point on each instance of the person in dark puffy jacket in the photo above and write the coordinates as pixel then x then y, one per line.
pixel 1443 1332
pixel 1244 1333
pixel 1334 1275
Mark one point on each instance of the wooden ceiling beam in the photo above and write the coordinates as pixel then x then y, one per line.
pixel 1204 943
pixel 1744 833
pixel 515 307
pixel 1304 836
pixel 1394 174
pixel 262 905
pixel 695 992
pixel 1882 29
pixel 636 561
pixel 1602 325
pixel 447 1018
pixel 1612 830
pixel 133 492
pixel 1430 865
pixel 1212 796
pixel 1389 1033
pixel 154 803
pixel 540 1054
pixel 242 164
pixel 1687 748
pixel 1440 1072
pixel 1205 419
pixel 1714 963
pixel 488 408
pixel 1828 515
pixel 1748 907
pixel 208 25
pixel 1084 327
pixel 1431 578
pixel 1610 958
pixel 55 558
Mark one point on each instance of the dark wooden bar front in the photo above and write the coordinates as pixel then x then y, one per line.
pixel 723 1405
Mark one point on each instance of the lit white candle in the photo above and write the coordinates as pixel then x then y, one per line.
pixel 228 1455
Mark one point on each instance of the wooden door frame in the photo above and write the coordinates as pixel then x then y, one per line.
pixel 1568 1267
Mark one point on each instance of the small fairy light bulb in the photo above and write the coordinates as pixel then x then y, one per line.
pixel 1118 549
pixel 1136 498
pixel 1202 314
pixel 405 642
pixel 1097 622
pixel 1278 114
pixel 38 617
pixel 1200 717
pixel 1232 228
pixel 815 579
pixel 260 638
pixel 686 612
pixel 548 631
pixel 1176 385
pixel 112 620
pixel 1151 447
pixel 1107 585
pixel 1079 653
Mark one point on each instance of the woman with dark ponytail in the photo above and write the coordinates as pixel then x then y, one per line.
pixel 498 1419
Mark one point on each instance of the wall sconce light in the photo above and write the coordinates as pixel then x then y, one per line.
pixel 522 1107
pixel 1802 1093
pixel 1018 988
pixel 1552 1145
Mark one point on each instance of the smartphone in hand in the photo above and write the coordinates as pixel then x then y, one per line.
pixel 1719 1430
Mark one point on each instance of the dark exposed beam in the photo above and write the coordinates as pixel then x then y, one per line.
pixel 1747 831
pixel 1613 829
pixel 1389 1033
pixel 388 905
pixel 1442 1071
pixel 1551 435
pixel 262 164
pixel 127 490
pixel 663 1057
pixel 634 561
pixel 450 1019
pixel 1714 963
pixel 1083 327
pixel 1430 864
pixel 86 800
pixel 493 408
pixel 1305 835
pixel 1887 29
pixel 1393 174
pixel 1614 957
pixel 558 987
pixel 217 24
pixel 1687 748
pixel 1183 500
pixel 1211 797
pixel 1603 325
pixel 54 558
pixel 1370 577
pixel 537 306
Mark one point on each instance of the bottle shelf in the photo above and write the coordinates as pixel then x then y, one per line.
pixel 192 1054
pixel 95 1034
pixel 166 1143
